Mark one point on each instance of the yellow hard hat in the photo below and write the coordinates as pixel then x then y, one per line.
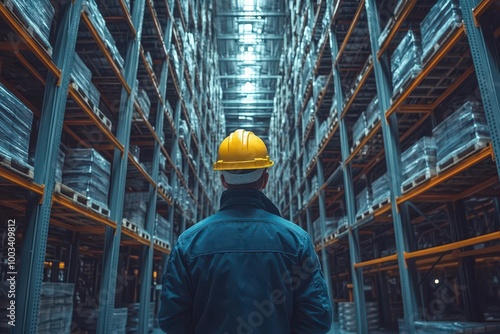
pixel 242 150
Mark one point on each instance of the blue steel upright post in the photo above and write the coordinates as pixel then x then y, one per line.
pixel 393 161
pixel 112 237
pixel 486 63
pixel 148 251
pixel 49 139
pixel 354 252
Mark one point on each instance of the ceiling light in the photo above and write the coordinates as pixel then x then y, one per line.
pixel 248 71
pixel 248 87
pixel 249 39
pixel 248 57
pixel 250 49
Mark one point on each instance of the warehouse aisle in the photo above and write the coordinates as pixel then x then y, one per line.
pixel 382 119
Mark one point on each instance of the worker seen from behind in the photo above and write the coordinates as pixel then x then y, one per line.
pixel 244 270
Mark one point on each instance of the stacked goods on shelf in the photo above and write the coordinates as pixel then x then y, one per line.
pixel 348 318
pixel 184 134
pixel 135 207
pixel 60 164
pixel 38 20
pixel 318 85
pixel 162 228
pixel 363 202
pixel 99 23
pixel 15 127
pixel 309 111
pixel 359 129
pixel 133 318
pixel 56 308
pixel 381 189
pixel 405 61
pixel 448 327
pixel 460 134
pixel 118 321
pixel 82 77
pixel 330 228
pixel 443 17
pixel 342 225
pixel 418 162
pixel 87 172
pixel 144 103
pixel 372 112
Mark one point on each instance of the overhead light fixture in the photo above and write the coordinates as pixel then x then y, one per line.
pixel 248 72
pixel 248 87
pixel 249 39
pixel 248 57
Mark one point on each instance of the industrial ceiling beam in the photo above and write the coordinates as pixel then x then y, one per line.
pixel 251 14
pixel 246 102
pixel 248 77
pixel 263 91
pixel 236 59
pixel 260 36
pixel 243 107
pixel 249 114
pixel 249 125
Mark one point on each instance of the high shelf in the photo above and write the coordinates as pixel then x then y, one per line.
pixel 123 84
pixel 419 247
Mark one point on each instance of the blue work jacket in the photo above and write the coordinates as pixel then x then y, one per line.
pixel 244 270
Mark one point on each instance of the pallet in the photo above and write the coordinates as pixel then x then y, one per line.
pixel 341 229
pixel 71 194
pixel 143 234
pixel 377 206
pixel 99 208
pixel 17 167
pixel 129 225
pixel 329 238
pixel 464 152
pixel 9 4
pixel 402 87
pixel 357 142
pixel 94 108
pixel 406 187
pixel 442 40
pixel 163 190
pixel 364 214
pixel 162 243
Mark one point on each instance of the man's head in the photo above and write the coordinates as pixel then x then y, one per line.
pixel 243 160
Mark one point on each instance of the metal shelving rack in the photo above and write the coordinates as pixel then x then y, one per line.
pixel 379 246
pixel 64 114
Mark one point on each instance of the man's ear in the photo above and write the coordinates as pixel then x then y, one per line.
pixel 223 180
pixel 265 178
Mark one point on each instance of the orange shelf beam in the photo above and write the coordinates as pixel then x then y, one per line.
pixel 481 9
pixel 127 17
pixel 105 51
pixel 357 90
pixel 374 262
pixel 60 199
pixel 365 140
pixel 426 70
pixel 33 45
pixel 21 181
pixel 141 170
pixel 453 246
pixel 448 174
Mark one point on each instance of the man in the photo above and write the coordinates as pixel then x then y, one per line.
pixel 244 270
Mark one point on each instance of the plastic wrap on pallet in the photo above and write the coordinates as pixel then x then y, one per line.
pixel 135 207
pixel 40 20
pixel 60 164
pixel 381 189
pixel 94 95
pixel 162 228
pixel 359 128
pixel 15 126
pixel 442 17
pixel 372 112
pixel 318 85
pixel 363 201
pixel 87 172
pixel 56 308
pixel 419 159
pixel 99 23
pixel 81 74
pixel 406 60
pixel 149 59
pixel 118 322
pixel 144 102
pixel 467 126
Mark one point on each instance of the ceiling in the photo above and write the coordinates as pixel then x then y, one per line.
pixel 250 42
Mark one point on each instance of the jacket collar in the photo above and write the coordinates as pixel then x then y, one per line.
pixel 247 197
